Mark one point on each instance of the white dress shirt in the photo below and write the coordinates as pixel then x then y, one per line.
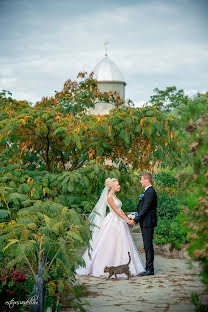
pixel 147 187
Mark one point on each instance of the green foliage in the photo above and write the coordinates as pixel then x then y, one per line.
pixel 170 228
pixel 4 213
pixel 199 306
pixel 79 189
pixel 78 96
pixel 54 163
pixel 56 134
pixel 9 106
pixel 168 205
pixel 168 195
pixel 194 181
pixel 165 179
pixel 169 99
pixel 44 216
pixel 49 228
pixel 170 231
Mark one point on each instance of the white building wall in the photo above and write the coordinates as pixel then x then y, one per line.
pixel 106 86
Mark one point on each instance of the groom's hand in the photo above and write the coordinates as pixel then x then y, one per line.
pixel 131 222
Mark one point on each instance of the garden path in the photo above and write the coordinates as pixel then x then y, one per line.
pixel 168 290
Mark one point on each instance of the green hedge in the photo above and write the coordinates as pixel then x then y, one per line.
pixel 170 232
pixel 80 190
pixel 170 229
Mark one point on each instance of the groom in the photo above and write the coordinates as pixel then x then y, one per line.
pixel 147 218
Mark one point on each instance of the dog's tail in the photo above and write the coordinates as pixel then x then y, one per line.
pixel 129 258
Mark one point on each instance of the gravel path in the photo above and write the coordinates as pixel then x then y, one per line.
pixel 168 290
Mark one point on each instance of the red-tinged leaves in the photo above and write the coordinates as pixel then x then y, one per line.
pixel 59 133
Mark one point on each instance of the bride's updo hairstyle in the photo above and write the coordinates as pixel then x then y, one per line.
pixel 110 182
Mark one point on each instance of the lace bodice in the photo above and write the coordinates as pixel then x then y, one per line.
pixel 117 202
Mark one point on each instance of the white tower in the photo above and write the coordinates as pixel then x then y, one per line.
pixel 109 78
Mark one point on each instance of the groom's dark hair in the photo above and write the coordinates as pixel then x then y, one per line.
pixel 147 176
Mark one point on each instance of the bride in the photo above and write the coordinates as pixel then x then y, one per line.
pixel 111 238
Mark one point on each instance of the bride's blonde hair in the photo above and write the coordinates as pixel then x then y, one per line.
pixel 110 182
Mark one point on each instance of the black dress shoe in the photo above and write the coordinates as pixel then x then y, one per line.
pixel 146 273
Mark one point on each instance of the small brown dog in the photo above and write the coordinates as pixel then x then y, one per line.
pixel 120 269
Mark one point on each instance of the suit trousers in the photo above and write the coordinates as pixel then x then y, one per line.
pixel 147 235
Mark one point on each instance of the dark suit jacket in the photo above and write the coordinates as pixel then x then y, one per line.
pixel 147 209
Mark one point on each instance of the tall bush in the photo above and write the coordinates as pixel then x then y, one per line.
pixel 194 182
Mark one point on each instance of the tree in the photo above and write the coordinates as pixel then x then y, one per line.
pixel 9 106
pixel 169 99
pixel 57 134
pixel 77 97
pixel 194 182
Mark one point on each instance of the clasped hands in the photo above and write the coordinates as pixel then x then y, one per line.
pixel 131 222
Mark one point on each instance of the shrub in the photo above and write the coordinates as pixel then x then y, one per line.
pixel 168 206
pixel 165 179
pixel 170 231
pixel 52 229
pixel 194 182
pixel 14 284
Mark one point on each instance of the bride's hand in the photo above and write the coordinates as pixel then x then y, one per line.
pixel 131 222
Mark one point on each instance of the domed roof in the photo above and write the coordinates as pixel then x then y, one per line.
pixel 106 70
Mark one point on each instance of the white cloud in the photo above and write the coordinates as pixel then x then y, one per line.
pixel 7 83
pixel 192 92
pixel 155 44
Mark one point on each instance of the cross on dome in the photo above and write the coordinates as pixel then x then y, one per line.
pixel 109 79
pixel 106 43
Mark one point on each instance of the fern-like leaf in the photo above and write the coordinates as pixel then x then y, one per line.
pixel 4 213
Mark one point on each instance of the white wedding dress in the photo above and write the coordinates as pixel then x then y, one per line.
pixel 110 247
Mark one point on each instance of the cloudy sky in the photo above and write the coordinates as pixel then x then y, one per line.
pixel 155 43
